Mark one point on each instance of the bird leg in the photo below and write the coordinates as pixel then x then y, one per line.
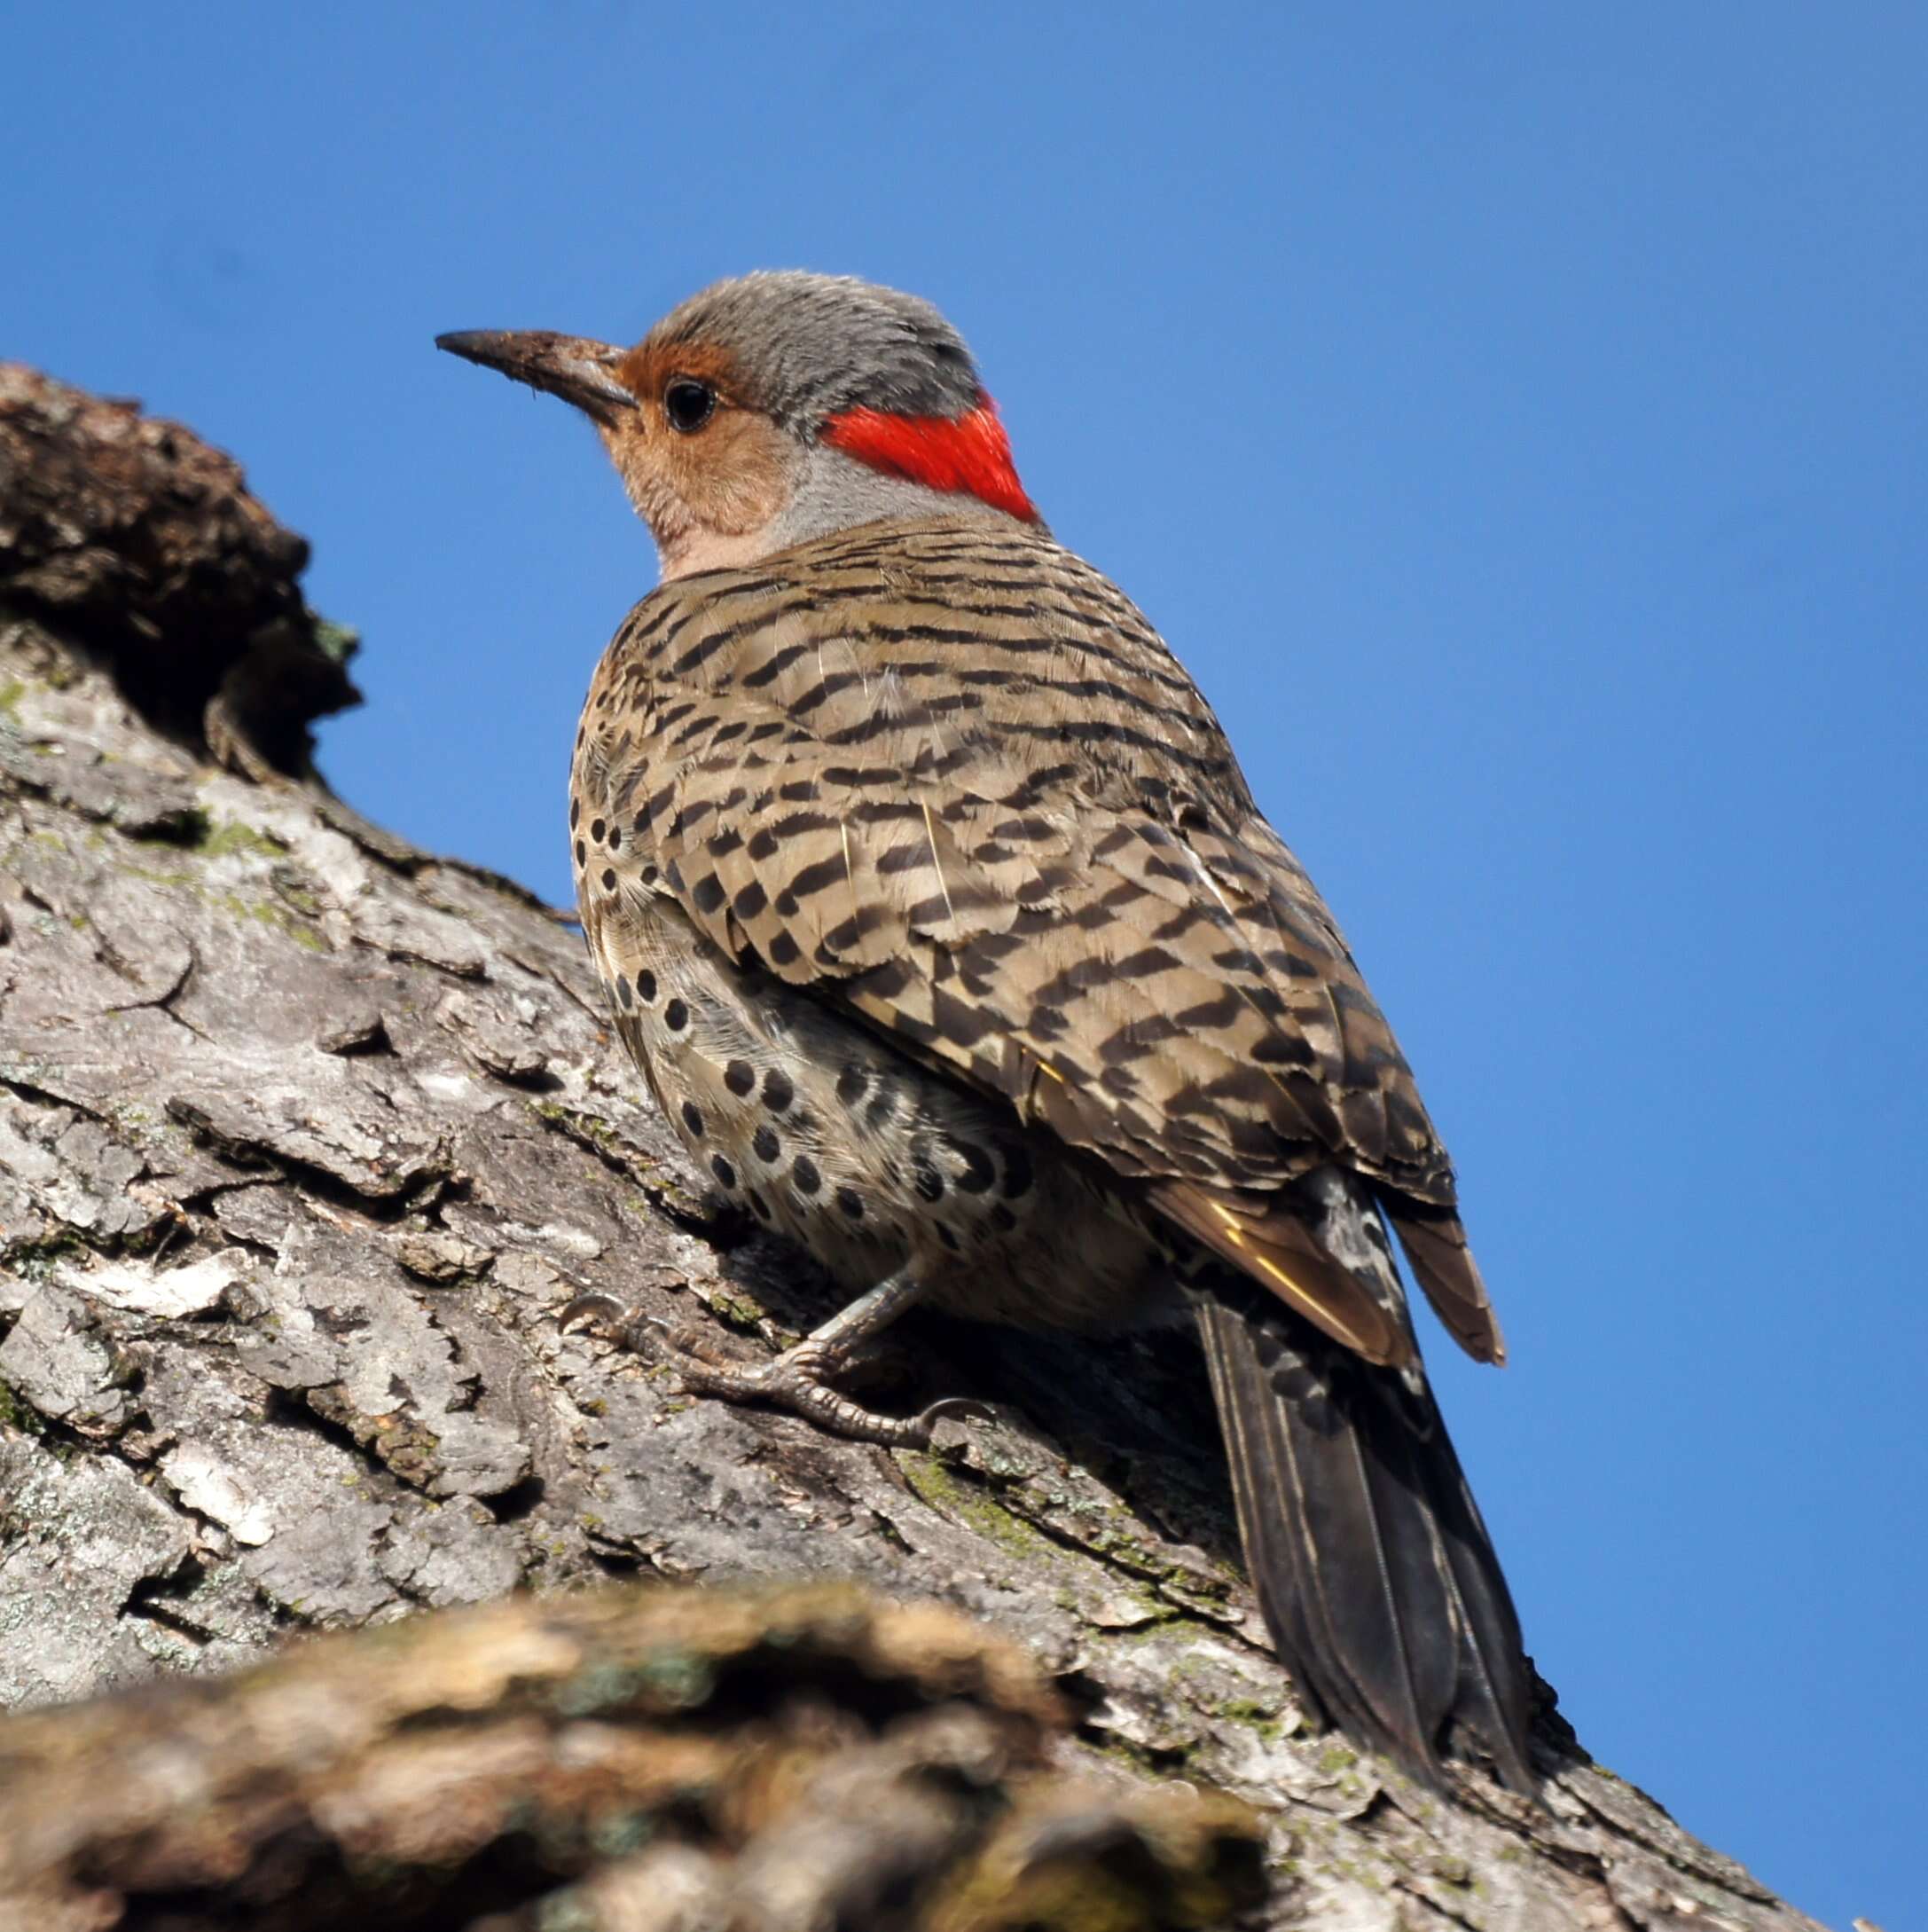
pixel 800 1378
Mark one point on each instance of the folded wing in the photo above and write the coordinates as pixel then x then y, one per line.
pixel 956 783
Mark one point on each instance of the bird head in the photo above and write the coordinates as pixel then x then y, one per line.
pixel 778 407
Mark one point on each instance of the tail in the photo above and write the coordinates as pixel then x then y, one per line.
pixel 1373 1568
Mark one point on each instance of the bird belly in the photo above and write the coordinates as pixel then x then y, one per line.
pixel 825 1131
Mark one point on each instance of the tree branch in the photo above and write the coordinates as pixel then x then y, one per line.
pixel 306 1137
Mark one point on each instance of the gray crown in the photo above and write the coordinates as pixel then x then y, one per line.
pixel 813 346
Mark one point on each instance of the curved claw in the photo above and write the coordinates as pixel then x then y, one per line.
pixel 604 1315
pixel 955 1409
pixel 917 1431
pixel 586 1310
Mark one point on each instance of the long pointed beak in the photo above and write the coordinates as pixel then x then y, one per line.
pixel 571 367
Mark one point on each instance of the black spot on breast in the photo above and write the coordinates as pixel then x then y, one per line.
pixel 803 1172
pixel 758 1205
pixel 675 1015
pixel 693 1118
pixel 979 1169
pixel 615 838
pixel 624 997
pixel 576 812
pixel 850 1203
pixel 945 1235
pixel 1003 1219
pixel 778 1089
pixel 581 855
pixel 646 987
pixel 608 879
pixel 852 1083
pixel 725 1173
pixel 596 829
pixel 1018 1173
pixel 766 1143
pixel 740 1076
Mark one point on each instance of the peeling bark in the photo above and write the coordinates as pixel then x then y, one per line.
pixel 306 1137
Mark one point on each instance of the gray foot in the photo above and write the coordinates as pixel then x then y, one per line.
pixel 800 1379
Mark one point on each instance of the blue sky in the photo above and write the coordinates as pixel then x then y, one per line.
pixel 1514 417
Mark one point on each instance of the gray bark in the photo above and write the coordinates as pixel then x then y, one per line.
pixel 307 1136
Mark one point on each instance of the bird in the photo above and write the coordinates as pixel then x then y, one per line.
pixel 936 912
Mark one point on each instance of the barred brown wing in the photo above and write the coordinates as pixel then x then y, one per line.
pixel 945 773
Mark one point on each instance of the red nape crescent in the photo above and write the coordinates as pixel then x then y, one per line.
pixel 970 455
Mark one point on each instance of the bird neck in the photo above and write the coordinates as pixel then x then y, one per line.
pixel 965 455
pixel 830 491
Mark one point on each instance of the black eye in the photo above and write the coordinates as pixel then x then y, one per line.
pixel 688 403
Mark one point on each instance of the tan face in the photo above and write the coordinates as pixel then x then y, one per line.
pixel 706 472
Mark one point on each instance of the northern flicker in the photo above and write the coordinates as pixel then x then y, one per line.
pixel 938 916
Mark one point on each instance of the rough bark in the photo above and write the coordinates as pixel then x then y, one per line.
pixel 305 1139
pixel 629 1759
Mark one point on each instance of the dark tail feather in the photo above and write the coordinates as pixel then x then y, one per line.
pixel 1372 1566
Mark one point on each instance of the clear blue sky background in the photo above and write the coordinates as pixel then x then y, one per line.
pixel 1514 415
